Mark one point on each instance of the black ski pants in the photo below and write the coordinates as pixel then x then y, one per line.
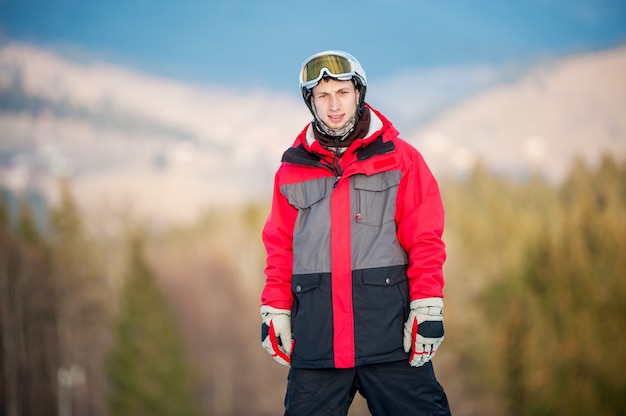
pixel 390 389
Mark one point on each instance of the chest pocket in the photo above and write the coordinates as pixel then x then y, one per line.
pixel 374 198
pixel 305 194
pixel 313 210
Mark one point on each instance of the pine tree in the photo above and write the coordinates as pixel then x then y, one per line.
pixel 27 317
pixel 558 337
pixel 82 309
pixel 147 369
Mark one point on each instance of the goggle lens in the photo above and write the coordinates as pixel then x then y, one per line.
pixel 335 65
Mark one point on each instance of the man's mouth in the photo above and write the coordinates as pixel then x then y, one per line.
pixel 335 118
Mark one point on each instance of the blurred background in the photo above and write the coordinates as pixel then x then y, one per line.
pixel 138 144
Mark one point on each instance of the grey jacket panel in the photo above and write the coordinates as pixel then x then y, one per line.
pixel 373 208
pixel 311 237
pixel 373 231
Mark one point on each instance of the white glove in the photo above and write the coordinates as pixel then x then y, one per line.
pixel 423 331
pixel 276 333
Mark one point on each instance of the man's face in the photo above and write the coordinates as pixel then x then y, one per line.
pixel 335 101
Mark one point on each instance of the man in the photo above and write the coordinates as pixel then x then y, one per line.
pixel 354 283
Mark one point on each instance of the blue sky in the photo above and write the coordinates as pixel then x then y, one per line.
pixel 262 43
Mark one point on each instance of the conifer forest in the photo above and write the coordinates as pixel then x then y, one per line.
pixel 120 319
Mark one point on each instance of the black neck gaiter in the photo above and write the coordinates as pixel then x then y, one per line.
pixel 360 130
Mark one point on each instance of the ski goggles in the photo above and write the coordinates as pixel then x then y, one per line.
pixel 336 66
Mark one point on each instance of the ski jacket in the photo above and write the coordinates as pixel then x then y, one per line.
pixel 350 241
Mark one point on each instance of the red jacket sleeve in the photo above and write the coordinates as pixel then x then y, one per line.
pixel 278 239
pixel 420 220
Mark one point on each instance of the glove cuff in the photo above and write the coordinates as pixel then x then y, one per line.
pixel 267 310
pixel 428 306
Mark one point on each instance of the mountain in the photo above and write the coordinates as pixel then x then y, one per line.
pixel 164 150
pixel 130 142
pixel 559 111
